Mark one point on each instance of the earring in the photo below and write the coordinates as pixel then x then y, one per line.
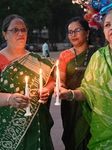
pixel 6 38
pixel 87 39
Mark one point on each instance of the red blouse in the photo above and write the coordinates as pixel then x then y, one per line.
pixel 64 58
pixel 3 62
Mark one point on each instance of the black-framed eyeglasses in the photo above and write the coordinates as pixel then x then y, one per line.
pixel 75 32
pixel 17 30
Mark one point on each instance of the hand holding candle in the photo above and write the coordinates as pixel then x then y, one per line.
pixel 57 83
pixel 28 113
pixel 41 83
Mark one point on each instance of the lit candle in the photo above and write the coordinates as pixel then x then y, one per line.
pixel 28 113
pixel 41 83
pixel 57 83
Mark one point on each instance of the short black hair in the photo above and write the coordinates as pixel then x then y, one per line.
pixel 45 40
pixel 99 36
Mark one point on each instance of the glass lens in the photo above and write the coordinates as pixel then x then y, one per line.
pixel 70 32
pixel 24 30
pixel 74 32
pixel 16 30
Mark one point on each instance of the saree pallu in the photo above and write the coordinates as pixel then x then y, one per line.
pixel 97 88
pixel 18 132
pixel 76 132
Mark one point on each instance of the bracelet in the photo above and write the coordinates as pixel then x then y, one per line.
pixel 8 99
pixel 72 95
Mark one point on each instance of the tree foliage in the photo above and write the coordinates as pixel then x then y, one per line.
pixel 39 13
pixel 62 12
pixel 36 12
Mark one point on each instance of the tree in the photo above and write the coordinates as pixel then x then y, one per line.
pixel 35 12
pixel 53 14
pixel 61 13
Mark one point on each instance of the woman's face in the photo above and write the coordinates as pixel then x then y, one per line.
pixel 80 36
pixel 16 34
pixel 107 28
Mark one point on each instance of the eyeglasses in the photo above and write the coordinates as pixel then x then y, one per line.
pixel 16 30
pixel 74 32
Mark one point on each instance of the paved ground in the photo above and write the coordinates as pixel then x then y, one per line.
pixel 57 129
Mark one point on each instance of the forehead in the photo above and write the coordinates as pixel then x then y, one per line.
pixel 17 22
pixel 108 18
pixel 74 25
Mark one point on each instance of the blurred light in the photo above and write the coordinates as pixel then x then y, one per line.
pixel 73 1
pixel 80 1
pixel 76 1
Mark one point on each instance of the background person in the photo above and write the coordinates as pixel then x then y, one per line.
pixel 72 65
pixel 96 91
pixel 17 131
pixel 99 43
pixel 45 48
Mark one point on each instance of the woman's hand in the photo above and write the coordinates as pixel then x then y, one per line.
pixel 62 84
pixel 19 101
pixel 70 94
pixel 63 93
pixel 44 95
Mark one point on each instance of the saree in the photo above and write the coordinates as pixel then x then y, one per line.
pixel 18 132
pixel 76 129
pixel 97 88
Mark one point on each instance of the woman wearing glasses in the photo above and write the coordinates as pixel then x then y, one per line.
pixel 96 92
pixel 72 64
pixel 17 131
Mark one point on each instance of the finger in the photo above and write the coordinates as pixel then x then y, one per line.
pixel 45 101
pixel 22 99
pixel 54 94
pixel 21 104
pixel 43 96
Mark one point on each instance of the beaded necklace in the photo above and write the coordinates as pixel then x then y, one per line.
pixel 84 63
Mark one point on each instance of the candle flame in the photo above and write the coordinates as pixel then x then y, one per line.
pixel 57 62
pixel 26 79
pixel 40 71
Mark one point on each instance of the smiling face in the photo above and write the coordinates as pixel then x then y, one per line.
pixel 77 38
pixel 107 28
pixel 16 39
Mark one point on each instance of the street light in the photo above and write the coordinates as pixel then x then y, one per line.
pixel 80 1
pixel 76 1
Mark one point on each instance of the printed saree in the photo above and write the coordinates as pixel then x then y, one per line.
pixel 76 129
pixel 97 88
pixel 18 132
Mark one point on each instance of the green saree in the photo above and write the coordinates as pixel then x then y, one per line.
pixel 76 132
pixel 18 132
pixel 97 88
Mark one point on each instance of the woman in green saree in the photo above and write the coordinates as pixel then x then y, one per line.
pixel 18 132
pixel 72 64
pixel 95 93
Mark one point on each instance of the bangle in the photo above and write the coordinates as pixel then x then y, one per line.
pixel 8 99
pixel 72 96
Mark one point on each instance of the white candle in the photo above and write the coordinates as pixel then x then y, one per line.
pixel 26 86
pixel 28 113
pixel 41 83
pixel 57 83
